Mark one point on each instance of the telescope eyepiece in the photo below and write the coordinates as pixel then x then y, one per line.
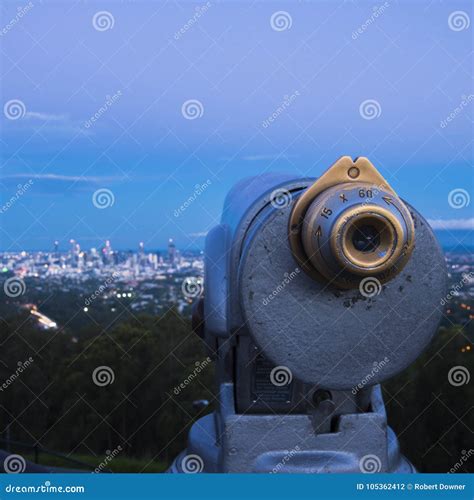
pixel 351 228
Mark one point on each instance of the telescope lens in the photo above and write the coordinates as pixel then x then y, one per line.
pixel 368 241
pixel 366 238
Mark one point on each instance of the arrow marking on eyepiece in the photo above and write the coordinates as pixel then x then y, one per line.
pixel 387 200
pixel 319 233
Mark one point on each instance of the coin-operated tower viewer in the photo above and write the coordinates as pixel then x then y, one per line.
pixel 315 292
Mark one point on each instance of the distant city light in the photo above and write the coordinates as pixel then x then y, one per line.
pixel 152 280
pixel 43 321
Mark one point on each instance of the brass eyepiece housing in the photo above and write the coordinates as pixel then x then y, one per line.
pixel 351 224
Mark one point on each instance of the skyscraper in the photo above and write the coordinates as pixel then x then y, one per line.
pixel 107 253
pixel 141 255
pixel 171 251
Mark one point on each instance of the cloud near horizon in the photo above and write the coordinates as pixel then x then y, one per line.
pixel 45 116
pixel 63 178
pixel 452 223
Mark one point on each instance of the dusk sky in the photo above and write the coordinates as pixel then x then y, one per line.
pixel 397 89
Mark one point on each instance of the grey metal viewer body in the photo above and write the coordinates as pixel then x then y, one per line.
pixel 315 293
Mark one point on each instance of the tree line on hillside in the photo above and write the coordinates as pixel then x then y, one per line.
pixel 133 385
pixel 103 388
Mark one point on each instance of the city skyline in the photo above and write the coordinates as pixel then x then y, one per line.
pixel 448 237
pixel 65 247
